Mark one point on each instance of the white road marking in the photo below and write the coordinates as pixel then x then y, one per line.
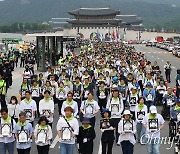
pixel 165 52
pixel 162 60
pixel 54 142
pixel 173 67
pixel 100 148
pixel 158 58
pixel 149 52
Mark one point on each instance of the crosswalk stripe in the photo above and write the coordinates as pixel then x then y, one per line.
pixel 100 148
pixel 54 142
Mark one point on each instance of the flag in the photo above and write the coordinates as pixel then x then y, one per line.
pixel 124 36
pixel 118 36
pixel 102 36
pixel 99 37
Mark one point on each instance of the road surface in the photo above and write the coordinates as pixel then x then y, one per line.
pixel 152 54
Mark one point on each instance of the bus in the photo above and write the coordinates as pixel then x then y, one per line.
pixel 11 40
pixel 176 38
pixel 159 39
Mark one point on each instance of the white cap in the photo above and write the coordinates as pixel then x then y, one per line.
pixel 153 109
pixel 126 112
pixel 133 87
pixel 114 86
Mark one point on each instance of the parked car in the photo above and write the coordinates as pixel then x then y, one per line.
pixel 176 51
pixel 170 47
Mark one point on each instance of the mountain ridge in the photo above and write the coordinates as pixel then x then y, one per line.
pixel 43 10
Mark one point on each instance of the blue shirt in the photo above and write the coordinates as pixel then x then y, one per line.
pixel 29 129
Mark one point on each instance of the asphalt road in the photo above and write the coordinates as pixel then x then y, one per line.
pixel 152 54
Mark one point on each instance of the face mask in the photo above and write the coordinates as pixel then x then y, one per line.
pixel 13 101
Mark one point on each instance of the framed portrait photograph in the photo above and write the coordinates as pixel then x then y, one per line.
pixel 34 92
pixel 86 93
pixel 46 112
pixel 102 95
pixel 140 115
pixel 105 124
pixel 41 136
pixel 89 108
pixel 28 113
pixel 178 117
pixel 5 129
pixel 132 101
pixel 66 133
pixel 153 125
pixel 114 108
pixel 149 97
pixel 23 136
pixel 61 95
pixel 128 126
pixel 76 95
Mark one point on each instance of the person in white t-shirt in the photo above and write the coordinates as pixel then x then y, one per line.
pixel 28 105
pixel 46 107
pixel 70 102
pixel 67 129
pixel 27 74
pixel 42 129
pixel 7 125
pixel 13 108
pixel 116 106
pixel 61 95
pixel 127 130
pixel 89 108
pixel 140 113
pixel 153 122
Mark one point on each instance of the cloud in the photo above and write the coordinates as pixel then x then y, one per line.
pixel 24 1
pixel 1 0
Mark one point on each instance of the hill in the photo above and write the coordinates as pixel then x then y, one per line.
pixel 43 10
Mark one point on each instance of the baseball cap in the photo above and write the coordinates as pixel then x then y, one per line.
pixel 153 109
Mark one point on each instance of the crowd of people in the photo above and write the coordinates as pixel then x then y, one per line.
pixel 112 79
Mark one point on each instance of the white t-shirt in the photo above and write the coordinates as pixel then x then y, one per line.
pixel 30 106
pixel 89 108
pixel 48 132
pixel 74 107
pixel 146 122
pixel 46 108
pixel 119 103
pixel 73 123
pixel 126 136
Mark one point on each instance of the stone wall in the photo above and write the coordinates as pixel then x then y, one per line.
pixel 130 35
